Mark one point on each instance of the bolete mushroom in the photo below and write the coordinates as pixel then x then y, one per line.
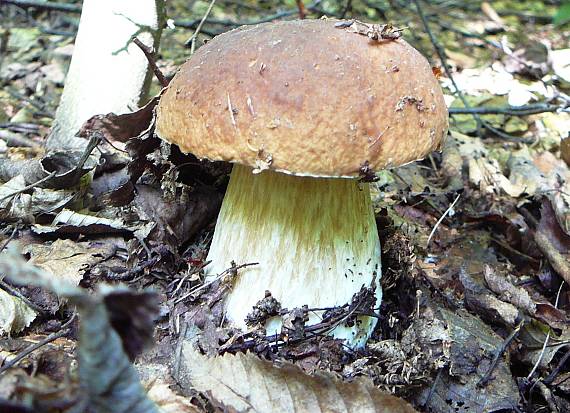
pixel 303 109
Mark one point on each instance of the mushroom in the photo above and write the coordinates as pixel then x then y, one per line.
pixel 303 108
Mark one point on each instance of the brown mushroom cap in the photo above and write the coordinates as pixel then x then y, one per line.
pixel 305 97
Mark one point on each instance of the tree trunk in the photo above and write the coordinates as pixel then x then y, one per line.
pixel 108 72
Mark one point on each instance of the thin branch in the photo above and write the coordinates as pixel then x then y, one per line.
pixel 44 5
pixel 443 57
pixel 151 61
pixel 9 239
pixel 301 8
pixel 511 110
pixel 64 330
pixel 192 40
pixel 439 221
pixel 540 357
pixel 28 187
pixel 485 379
pixel 16 293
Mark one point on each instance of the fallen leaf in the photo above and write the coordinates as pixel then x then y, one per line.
pixel 508 292
pixel 66 259
pixel 561 64
pixel 70 222
pixel 168 401
pixel 472 347
pixel 248 384
pixel 15 205
pixel 15 315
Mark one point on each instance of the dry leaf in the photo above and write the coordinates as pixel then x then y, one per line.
pixel 486 174
pixel 14 204
pixel 508 292
pixel 69 222
pixel 15 315
pixel 168 401
pixel 248 384
pixel 66 259
pixel 561 64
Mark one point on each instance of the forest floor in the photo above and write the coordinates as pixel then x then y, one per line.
pixel 475 239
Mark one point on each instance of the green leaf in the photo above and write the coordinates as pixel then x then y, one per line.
pixel 562 16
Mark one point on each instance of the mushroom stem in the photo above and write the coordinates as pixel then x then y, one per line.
pixel 315 240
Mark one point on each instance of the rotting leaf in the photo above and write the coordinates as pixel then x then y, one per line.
pixel 175 221
pixel 471 350
pixel 533 336
pixel 482 302
pixel 114 189
pixel 248 384
pixel 553 241
pixel 506 291
pixel 552 229
pixel 132 315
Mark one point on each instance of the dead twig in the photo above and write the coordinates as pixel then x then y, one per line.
pixel 433 387
pixel 443 57
pixel 9 239
pixel 325 327
pixel 511 110
pixel 130 274
pixel 485 379
pixel 16 293
pixel 232 271
pixel 313 8
pixel 535 367
pixel 302 10
pixel 149 54
pixel 192 40
pixel 64 330
pixel 28 187
pixel 44 5
pixel 14 139
pixel 440 220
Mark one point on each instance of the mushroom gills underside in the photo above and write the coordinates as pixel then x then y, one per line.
pixel 315 241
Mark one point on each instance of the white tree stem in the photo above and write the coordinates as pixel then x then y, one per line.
pixel 108 72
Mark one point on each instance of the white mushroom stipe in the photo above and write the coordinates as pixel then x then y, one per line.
pixel 315 240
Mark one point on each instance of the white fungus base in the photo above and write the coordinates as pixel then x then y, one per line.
pixel 315 240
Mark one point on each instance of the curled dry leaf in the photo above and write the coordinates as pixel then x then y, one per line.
pixel 553 241
pixel 508 292
pixel 15 205
pixel 169 401
pixel 69 222
pixel 15 315
pixel 120 128
pixel 248 384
